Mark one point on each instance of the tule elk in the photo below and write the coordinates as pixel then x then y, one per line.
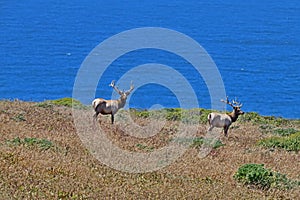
pixel 225 120
pixel 111 107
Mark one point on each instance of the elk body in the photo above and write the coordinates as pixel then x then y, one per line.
pixel 111 107
pixel 225 120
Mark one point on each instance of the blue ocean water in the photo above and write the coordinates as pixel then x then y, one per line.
pixel 255 45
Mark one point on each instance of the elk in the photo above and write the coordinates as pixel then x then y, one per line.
pixel 225 120
pixel 111 107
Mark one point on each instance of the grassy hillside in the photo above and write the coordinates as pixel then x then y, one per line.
pixel 42 157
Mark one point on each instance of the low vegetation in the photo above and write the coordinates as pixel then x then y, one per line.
pixel 257 119
pixel 68 102
pixel 43 157
pixel 289 143
pixel 191 116
pixel 277 131
pixel 31 142
pixel 257 175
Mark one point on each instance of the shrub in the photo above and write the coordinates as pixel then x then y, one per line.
pixel 197 142
pixel 140 113
pixel 284 131
pixel 289 143
pixel 258 176
pixel 173 114
pixel 266 128
pixel 68 102
pixel 45 104
pixel 28 142
pixel 144 147
pixel 19 118
pixel 255 118
pixel 187 116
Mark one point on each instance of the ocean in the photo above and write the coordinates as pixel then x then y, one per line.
pixel 254 44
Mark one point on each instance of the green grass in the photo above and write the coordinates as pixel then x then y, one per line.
pixel 144 147
pixel 260 177
pixel 289 143
pixel 197 142
pixel 30 142
pixel 187 116
pixel 284 131
pixel 19 118
pixel 277 131
pixel 67 101
pixel 255 118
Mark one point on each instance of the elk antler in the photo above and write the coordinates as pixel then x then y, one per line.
pixel 112 84
pixel 131 88
pixel 227 101
pixel 234 103
pixel 237 104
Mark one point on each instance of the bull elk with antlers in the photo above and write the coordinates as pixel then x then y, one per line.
pixel 111 107
pixel 225 120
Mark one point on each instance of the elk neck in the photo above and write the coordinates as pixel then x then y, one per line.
pixel 233 115
pixel 121 102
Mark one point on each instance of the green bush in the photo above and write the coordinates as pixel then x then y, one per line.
pixel 19 118
pixel 266 128
pixel 144 147
pixel 45 104
pixel 255 118
pixel 28 142
pixel 173 114
pixel 187 116
pixel 258 176
pixel 140 113
pixel 284 131
pixel 197 142
pixel 68 102
pixel 289 143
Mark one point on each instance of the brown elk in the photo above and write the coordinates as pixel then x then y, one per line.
pixel 225 120
pixel 111 107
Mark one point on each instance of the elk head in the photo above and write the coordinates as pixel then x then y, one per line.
pixel 123 94
pixel 236 108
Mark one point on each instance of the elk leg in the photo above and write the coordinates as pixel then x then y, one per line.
pixel 95 115
pixel 112 119
pixel 226 130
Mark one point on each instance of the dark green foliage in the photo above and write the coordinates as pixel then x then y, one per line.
pixel 289 143
pixel 144 147
pixel 19 118
pixel 30 142
pixel 257 175
pixel 187 116
pixel 15 141
pixel 139 113
pixel 173 114
pixel 197 142
pixel 45 104
pixel 284 131
pixel 218 144
pixel 266 128
pixel 68 102
pixel 255 118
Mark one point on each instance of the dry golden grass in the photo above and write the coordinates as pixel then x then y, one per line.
pixel 68 171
